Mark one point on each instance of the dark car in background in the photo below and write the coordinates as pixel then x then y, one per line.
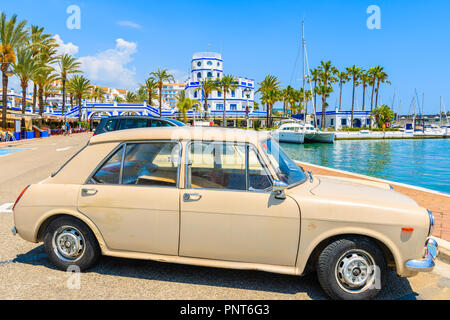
pixel 132 122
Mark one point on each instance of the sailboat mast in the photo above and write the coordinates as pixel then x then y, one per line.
pixel 303 71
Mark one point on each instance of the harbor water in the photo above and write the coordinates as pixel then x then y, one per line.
pixel 420 162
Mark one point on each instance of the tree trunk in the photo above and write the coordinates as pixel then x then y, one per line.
pixel 206 107
pixel 41 104
pixel 364 96
pixel 378 90
pixel 340 96
pixel 224 120
pixel 24 97
pixel 353 103
pixel 64 97
pixel 79 108
pixel 324 110
pixel 371 99
pixel 5 94
pixel 160 102
pixel 34 96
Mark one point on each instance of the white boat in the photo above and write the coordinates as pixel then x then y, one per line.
pixel 290 132
pixel 313 135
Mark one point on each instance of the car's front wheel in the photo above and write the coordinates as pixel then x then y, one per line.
pixel 69 242
pixel 352 268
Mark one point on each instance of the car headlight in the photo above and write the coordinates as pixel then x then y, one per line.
pixel 430 214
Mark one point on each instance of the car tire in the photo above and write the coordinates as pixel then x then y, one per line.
pixel 70 242
pixel 352 268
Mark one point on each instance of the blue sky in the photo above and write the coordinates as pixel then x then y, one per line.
pixel 120 42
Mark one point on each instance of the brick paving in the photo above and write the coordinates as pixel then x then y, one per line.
pixel 438 204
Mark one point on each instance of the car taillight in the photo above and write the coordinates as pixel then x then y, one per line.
pixel 20 196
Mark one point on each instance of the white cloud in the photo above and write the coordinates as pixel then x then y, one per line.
pixel 130 24
pixel 180 76
pixel 65 48
pixel 109 67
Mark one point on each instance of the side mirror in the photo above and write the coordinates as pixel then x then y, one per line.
pixel 279 188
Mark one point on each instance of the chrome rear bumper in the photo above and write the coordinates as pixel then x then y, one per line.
pixel 427 263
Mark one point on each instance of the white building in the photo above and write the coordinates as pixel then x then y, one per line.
pixel 169 94
pixel 342 119
pixel 209 65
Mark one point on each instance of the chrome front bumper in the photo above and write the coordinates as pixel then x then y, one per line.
pixel 427 263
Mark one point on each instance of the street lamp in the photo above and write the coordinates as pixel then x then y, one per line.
pixel 247 95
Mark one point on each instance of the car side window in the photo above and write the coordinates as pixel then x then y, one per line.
pixel 159 123
pixel 151 164
pixel 132 123
pixel 257 175
pixel 109 172
pixel 110 125
pixel 217 165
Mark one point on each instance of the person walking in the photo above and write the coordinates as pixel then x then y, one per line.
pixel 64 128
pixel 68 128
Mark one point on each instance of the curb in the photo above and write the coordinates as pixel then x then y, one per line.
pixel 444 250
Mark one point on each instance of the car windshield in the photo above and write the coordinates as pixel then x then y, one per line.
pixel 287 170
pixel 178 123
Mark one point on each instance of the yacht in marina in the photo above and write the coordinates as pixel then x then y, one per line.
pixel 299 132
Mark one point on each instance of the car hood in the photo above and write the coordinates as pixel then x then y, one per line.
pixel 359 191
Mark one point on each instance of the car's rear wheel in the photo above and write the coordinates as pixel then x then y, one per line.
pixel 352 268
pixel 69 242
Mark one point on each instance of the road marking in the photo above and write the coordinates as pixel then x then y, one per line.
pixel 6 207
pixel 64 149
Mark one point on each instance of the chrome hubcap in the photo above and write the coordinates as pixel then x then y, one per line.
pixel 355 271
pixel 68 243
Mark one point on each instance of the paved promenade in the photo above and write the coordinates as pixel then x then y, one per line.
pixel 439 204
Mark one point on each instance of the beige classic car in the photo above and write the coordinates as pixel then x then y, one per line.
pixel 223 198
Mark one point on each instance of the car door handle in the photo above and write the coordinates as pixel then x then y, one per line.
pixel 88 192
pixel 192 197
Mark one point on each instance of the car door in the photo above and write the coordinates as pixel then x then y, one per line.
pixel 133 198
pixel 228 211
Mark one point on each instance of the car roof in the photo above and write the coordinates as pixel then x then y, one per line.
pixel 130 117
pixel 182 133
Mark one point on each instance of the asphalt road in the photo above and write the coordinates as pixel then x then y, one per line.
pixel 26 273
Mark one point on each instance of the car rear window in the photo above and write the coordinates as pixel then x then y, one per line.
pixel 133 123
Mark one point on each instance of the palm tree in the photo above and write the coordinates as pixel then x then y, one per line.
pixel 37 41
pixel 207 86
pixel 184 104
pixel 269 89
pixel 343 78
pixel 161 76
pixel 327 77
pixel 80 87
pixel 151 85
pixel 324 91
pixel 225 84
pixel 287 95
pixel 381 78
pixel 373 72
pixel 25 69
pixel 354 72
pixel 44 77
pixel 98 94
pixel 315 77
pixel 131 97
pixel 67 65
pixel 12 36
pixel 365 81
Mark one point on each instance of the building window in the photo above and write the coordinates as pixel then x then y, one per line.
pixel 209 74
pixel 199 64
pixel 368 122
pixel 218 64
pixel 344 122
pixel 332 122
pixel 233 107
pixel 219 107
pixel 233 93
pixel 209 63
pixel 195 94
pixel 219 94
pixel 199 75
